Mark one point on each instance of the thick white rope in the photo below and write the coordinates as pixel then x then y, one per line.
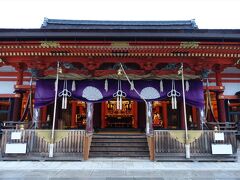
pixel 133 88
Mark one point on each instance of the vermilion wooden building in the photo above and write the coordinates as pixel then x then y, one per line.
pixel 151 54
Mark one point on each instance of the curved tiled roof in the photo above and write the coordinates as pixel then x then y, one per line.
pixel 56 29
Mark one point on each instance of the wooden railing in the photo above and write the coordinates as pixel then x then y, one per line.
pixel 170 145
pixel 222 126
pixel 69 144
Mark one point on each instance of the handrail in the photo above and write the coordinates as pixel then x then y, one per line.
pixel 14 124
pixel 222 125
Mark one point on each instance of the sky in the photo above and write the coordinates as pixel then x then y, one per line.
pixel 208 14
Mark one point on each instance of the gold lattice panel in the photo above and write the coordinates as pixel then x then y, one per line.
pixel 46 135
pixel 180 136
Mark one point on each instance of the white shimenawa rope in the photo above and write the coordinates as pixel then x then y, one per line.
pixel 133 88
pixel 147 106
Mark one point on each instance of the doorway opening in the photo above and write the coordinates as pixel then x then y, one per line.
pixel 112 117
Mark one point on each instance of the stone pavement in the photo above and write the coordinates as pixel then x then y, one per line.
pixel 119 169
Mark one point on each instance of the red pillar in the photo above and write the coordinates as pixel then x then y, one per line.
pixel 135 114
pixel 74 110
pixel 194 116
pixel 220 101
pixel 17 107
pixel 44 115
pixel 81 111
pixel 103 120
pixel 165 118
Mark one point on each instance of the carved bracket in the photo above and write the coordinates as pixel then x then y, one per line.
pixel 218 68
pixel 20 66
pixel 91 66
pixel 147 66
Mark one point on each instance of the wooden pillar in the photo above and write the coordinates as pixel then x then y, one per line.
pixel 194 116
pixel 165 114
pixel 220 101
pixel 43 115
pixel 81 111
pixel 73 118
pixel 103 115
pixel 141 115
pixel 135 114
pixel 17 107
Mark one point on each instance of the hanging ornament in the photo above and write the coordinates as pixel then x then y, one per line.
pixel 132 85
pixel 161 86
pixel 64 94
pixel 174 94
pixel 187 86
pixel 119 95
pixel 73 85
pixel 106 85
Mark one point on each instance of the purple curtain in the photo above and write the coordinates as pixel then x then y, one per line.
pixel 44 94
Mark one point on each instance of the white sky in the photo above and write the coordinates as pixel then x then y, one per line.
pixel 209 14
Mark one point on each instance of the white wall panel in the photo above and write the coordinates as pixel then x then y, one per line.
pixel 231 88
pixel 6 87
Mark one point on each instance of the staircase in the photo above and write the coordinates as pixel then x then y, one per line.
pixel 119 145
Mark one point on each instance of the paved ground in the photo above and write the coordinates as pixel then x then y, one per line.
pixel 119 169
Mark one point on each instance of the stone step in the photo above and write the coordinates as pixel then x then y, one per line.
pixel 118 149
pixel 135 136
pixel 119 154
pixel 103 140
pixel 121 144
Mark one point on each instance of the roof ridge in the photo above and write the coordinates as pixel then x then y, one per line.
pixel 190 23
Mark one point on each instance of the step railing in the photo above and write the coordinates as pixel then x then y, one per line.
pixel 34 144
pixel 87 145
pixel 151 147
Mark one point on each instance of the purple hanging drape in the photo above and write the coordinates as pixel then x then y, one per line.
pixel 44 93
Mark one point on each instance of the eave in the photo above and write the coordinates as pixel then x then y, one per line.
pixel 123 35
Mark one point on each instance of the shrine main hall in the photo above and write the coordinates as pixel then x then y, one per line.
pixel 163 90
